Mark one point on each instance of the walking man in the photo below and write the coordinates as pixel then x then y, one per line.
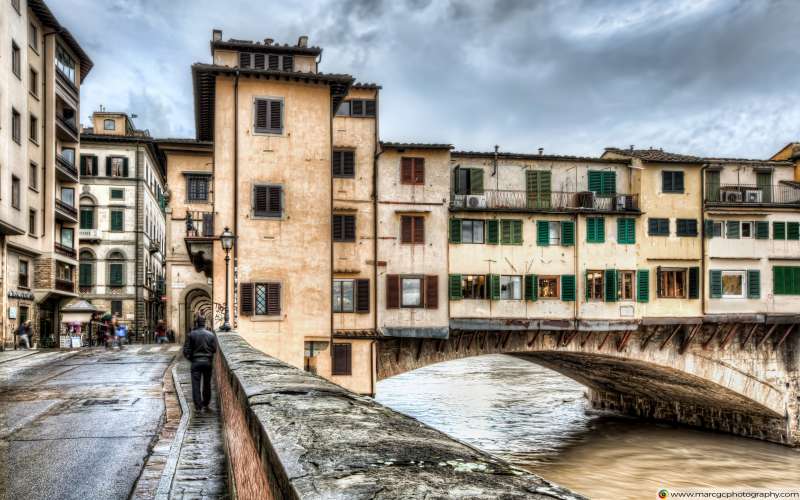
pixel 199 348
pixel 161 332
pixel 24 334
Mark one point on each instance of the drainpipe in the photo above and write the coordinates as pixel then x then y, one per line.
pixel 138 231
pixel 376 155
pixel 235 192
pixel 330 224
pixel 576 310
pixel 701 279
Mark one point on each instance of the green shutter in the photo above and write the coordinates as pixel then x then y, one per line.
pixel 455 287
pixel 595 230
pixel 715 284
pixel 455 230
pixel 712 186
pixel 793 230
pixel 643 285
pixel 537 183
pixel 778 280
pixel 603 183
pixel 85 275
pixel 611 285
pixel 595 181
pixel 694 282
pixel 542 233
pixel 762 230
pixel 476 181
pixel 626 231
pixel 732 231
pixel 786 280
pixel 708 228
pixel 492 231
pixel 494 286
pixel 567 233
pixel 87 219
pixel 753 284
pixel 516 232
pixel 530 287
pixel 778 230
pixel 586 287
pixel 568 287
pixel 116 220
pixel 115 274
pixel 505 231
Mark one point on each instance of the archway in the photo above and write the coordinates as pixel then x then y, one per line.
pixel 195 301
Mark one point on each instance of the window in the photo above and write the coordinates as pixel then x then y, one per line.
pixel 658 227
pixel 411 292
pixel 779 230
pixel 733 286
pixel 16 59
pixel 68 237
pixel 33 175
pixel 117 220
pixel 116 307
pixel 33 37
pixel 197 187
pixel 473 286
pixel 792 231
pixel 595 230
pixel 672 283
pixel 23 278
pixel 260 60
pixel 626 231
pixel 357 107
pixel 412 229
pixel 468 181
pixel 342 362
pixel 547 287
pixel 34 82
pixel 109 124
pixel 510 287
pixel 510 232
pixel 786 280
pixel 671 181
pixel 412 170
pixel 261 299
pixel 344 227
pixel 32 222
pixel 686 227
pixel 86 269
pixel 268 116
pixel 603 182
pixel 88 165
pixel 69 155
pixel 625 285
pixel 116 269
pixel 33 132
pixel 268 201
pixel 343 109
pixel 116 166
pixel 16 126
pixel 65 64
pixel 68 196
pixel 117 194
pixel 15 192
pixel 716 229
pixel 344 163
pixel 351 295
pixel 732 229
pixel 553 233
pixel 87 217
pixel 747 230
pixel 594 285
pixel 471 231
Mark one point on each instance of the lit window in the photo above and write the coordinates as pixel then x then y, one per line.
pixel 672 283
pixel 625 285
pixel 594 285
pixel 548 287
pixel 473 286
pixel 733 284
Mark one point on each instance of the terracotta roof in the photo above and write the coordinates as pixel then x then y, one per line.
pixel 532 156
pixel 47 18
pixel 656 155
pixel 273 48
pixel 366 85
pixel 414 145
pixel 777 163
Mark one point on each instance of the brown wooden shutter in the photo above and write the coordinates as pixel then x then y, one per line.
pixel 337 163
pixel 246 299
pixel 362 296
pixel 407 170
pixel 274 200
pixel 244 59
pixel 419 229
pixel 431 292
pixel 369 108
pixel 288 63
pixel 406 229
pixel 392 291
pixel 349 228
pixel 338 227
pixel 259 61
pixel 357 107
pixel 262 110
pixel 260 200
pixel 275 115
pixel 348 163
pixel 273 299
pixel 342 359
pixel 419 170
pixel 273 61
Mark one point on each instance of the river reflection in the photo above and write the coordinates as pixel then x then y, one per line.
pixel 536 418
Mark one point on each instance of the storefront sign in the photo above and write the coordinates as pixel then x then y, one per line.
pixel 12 313
pixel 15 294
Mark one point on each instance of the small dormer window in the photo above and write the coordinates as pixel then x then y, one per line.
pixel 109 125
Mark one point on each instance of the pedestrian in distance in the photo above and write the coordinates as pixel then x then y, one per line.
pixel 161 332
pixel 24 335
pixel 121 330
pixel 199 349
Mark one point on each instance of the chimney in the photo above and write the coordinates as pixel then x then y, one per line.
pixel 631 147
pixel 216 35
pixel 302 41
pixel 541 151
pixel 268 41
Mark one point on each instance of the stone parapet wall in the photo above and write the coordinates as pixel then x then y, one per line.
pixel 292 434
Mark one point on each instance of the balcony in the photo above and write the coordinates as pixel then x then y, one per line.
pixel 65 285
pixel 154 247
pixel 64 250
pixel 66 169
pixel 554 201
pixel 65 212
pixel 199 239
pixel 89 235
pixel 751 195
pixel 66 128
pixel 199 224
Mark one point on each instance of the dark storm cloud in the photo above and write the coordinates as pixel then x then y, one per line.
pixel 697 76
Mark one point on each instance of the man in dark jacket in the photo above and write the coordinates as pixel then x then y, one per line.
pixel 199 348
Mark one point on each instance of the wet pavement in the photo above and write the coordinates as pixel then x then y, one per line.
pixel 79 425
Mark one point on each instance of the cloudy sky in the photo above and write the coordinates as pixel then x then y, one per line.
pixel 715 77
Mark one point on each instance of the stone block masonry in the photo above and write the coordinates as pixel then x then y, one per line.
pixel 292 434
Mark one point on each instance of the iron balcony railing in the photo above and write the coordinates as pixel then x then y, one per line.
pixel 65 285
pixel 66 165
pixel 564 201
pixel 66 208
pixel 64 250
pixel 751 194
pixel 68 123
pixel 199 224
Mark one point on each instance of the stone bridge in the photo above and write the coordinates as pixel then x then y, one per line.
pixel 736 377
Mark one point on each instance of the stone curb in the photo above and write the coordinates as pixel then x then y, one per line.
pixel 168 474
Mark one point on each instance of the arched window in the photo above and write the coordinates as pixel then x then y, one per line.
pixel 86 270
pixel 116 269
pixel 88 213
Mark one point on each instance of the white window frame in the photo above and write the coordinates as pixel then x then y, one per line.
pixel 338 284
pixel 515 283
pixel 743 275
pixel 472 226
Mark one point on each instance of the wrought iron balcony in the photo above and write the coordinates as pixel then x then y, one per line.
pixel 64 250
pixel 67 129
pixel 65 211
pixel 553 201
pixel 199 239
pixel 66 168
pixel 199 224
pixel 751 194
pixel 64 285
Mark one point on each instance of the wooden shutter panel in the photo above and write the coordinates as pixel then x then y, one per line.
pixel 494 287
pixel 259 61
pixel 455 230
pixel 611 285
pixel 678 181
pixel 337 163
pixel 516 232
pixel 708 228
pixel 362 295
pixel 643 285
pixel 406 229
pixel 753 284
pixel 338 227
pixel 108 166
pixel 246 299
pixel 542 233
pixel 275 112
pixel 530 287
pixel 431 292
pixel 793 230
pixel 454 287
pixel 273 60
pixel 369 107
pixel 419 229
pixel 392 291
pixel 348 163
pixel 273 299
pixel 567 233
pixel 476 181
pixel 288 63
pixel 357 107
pixel 419 170
pixel 594 181
pixel 406 170
pixel 244 59
pixel 762 230
pixel 274 202
pixel 505 231
pixel 492 231
pixel 208 224
pixel 715 284
pixel 262 110
pixel 694 282
pixel 568 287
pixel 732 229
pixel 342 359
pixel 260 200
pixel 779 230
pixel 349 228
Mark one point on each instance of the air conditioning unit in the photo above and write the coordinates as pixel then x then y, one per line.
pixel 753 196
pixel 731 196
pixel 476 201
pixel 621 203
pixel 586 199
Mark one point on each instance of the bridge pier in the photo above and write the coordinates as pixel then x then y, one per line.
pixel 730 377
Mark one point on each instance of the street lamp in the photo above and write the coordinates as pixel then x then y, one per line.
pixel 226 240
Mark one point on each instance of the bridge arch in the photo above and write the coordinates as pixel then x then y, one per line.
pixel 193 301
